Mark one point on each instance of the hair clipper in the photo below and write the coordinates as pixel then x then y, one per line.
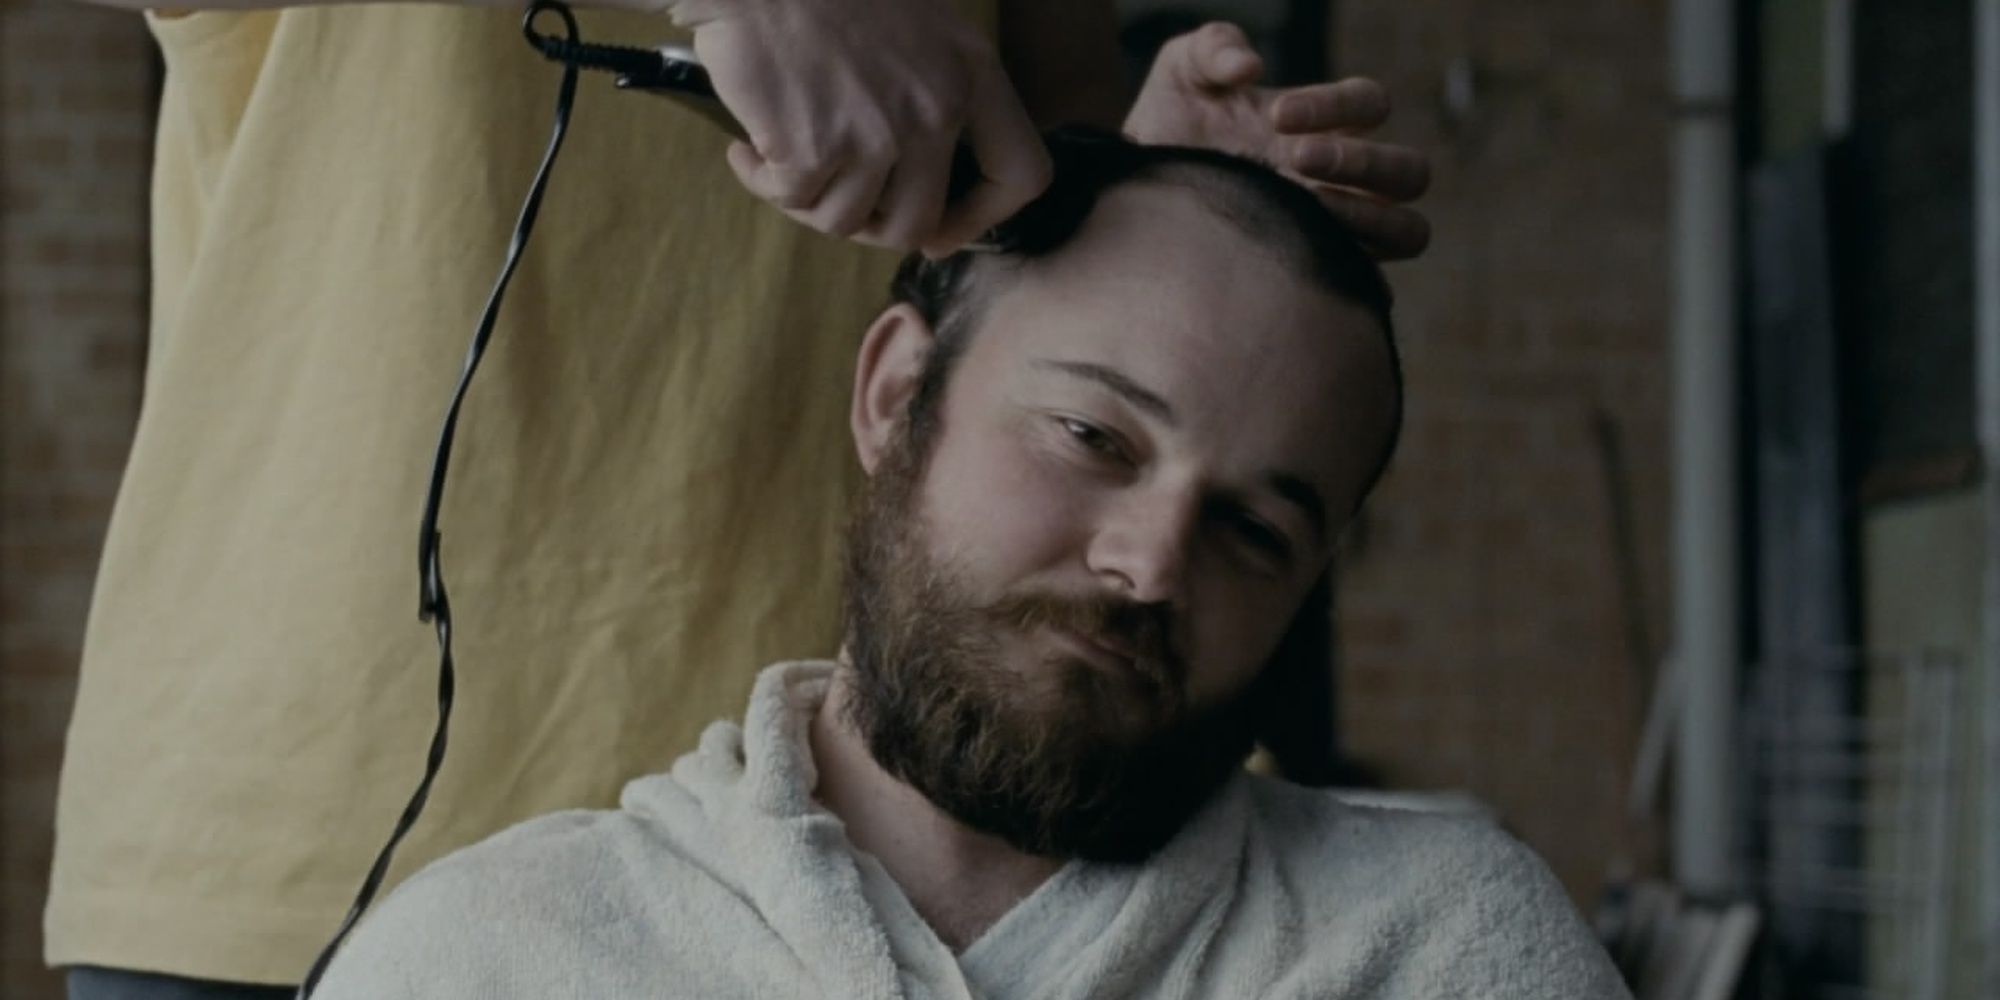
pixel 680 77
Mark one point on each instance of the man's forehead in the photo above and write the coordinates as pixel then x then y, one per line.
pixel 1156 259
pixel 1149 219
pixel 1285 379
pixel 1157 281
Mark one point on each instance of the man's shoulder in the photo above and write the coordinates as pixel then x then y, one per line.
pixel 1469 908
pixel 1315 825
pixel 552 848
pixel 568 883
pixel 546 874
pixel 539 863
pixel 1409 865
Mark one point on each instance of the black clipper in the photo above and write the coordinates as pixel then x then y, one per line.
pixel 681 78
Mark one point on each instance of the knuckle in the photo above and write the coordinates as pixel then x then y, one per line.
pixel 894 237
pixel 817 152
pixel 790 189
pixel 1354 214
pixel 780 147
pixel 1176 48
pixel 843 221
pixel 805 164
pixel 1038 172
pixel 875 145
pixel 1322 154
pixel 1302 151
pixel 1220 33
pixel 899 229
pixel 870 235
pixel 882 152
pixel 1366 88
pixel 1361 102
pixel 1357 160
pixel 913 229
pixel 941 109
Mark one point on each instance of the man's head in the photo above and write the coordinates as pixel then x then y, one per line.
pixel 1107 466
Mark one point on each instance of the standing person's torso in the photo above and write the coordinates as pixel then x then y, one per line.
pixel 644 504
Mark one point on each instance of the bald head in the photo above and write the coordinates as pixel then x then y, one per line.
pixel 1112 199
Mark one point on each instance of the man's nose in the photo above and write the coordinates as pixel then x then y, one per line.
pixel 1141 546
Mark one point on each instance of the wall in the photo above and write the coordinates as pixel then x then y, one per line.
pixel 76 88
pixel 1485 632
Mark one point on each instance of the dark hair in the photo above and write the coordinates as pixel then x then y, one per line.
pixel 951 293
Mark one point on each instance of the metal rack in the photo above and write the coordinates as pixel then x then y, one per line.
pixel 1858 793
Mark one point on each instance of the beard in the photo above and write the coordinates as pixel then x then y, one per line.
pixel 1071 760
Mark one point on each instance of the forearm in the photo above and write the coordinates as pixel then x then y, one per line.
pixel 1062 55
pixel 177 7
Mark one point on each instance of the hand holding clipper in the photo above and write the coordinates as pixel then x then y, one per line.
pixel 681 78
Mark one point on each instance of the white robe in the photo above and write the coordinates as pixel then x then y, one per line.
pixel 725 879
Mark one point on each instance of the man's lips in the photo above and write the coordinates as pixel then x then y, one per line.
pixel 1099 650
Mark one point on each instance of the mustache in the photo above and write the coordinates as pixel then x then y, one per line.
pixel 1143 631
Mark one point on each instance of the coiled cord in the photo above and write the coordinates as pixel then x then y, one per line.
pixel 572 51
pixel 434 605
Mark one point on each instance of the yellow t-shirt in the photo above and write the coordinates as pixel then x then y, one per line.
pixel 645 502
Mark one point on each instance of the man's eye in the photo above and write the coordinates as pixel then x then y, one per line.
pixel 1092 438
pixel 1260 536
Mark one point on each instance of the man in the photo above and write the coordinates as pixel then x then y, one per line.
pixel 333 192
pixel 1107 465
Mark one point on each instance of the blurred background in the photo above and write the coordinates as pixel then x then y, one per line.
pixel 1688 572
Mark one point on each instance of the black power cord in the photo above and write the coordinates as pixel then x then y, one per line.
pixel 670 72
pixel 434 605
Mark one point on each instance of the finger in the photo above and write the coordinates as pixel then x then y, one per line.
pixel 1391 232
pixel 912 202
pixel 1354 104
pixel 1013 162
pixel 1219 56
pixel 849 199
pixel 785 187
pixel 1386 170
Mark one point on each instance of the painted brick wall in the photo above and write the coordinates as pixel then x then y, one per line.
pixel 1482 626
pixel 76 106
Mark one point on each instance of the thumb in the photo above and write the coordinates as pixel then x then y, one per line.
pixel 1218 56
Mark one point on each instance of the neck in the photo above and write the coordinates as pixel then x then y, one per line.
pixel 961 881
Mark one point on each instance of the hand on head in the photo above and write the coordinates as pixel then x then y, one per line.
pixel 1203 91
pixel 855 110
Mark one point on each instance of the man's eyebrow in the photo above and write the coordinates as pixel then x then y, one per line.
pixel 1303 495
pixel 1118 382
pixel 1294 489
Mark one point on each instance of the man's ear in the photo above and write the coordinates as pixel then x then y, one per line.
pixel 885 379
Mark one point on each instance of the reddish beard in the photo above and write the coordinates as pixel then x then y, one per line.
pixel 1064 758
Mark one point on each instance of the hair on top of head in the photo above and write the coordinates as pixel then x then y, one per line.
pixel 1266 206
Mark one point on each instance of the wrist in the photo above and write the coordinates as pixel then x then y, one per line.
pixel 691 14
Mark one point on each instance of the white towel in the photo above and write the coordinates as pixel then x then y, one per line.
pixel 725 879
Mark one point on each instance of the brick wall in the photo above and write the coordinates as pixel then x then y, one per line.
pixel 76 105
pixel 1482 626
